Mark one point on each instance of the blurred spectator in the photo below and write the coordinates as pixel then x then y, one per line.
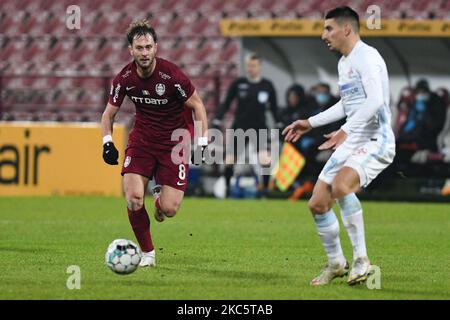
pixel 443 140
pixel 297 105
pixel 324 99
pixel 423 124
pixel 323 96
pixel 303 106
pixel 403 106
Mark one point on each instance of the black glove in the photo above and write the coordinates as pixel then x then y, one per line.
pixel 199 155
pixel 110 153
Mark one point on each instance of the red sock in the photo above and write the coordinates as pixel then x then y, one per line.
pixel 141 227
pixel 158 204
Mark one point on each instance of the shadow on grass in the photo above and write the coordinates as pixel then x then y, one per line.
pixel 25 250
pixel 231 274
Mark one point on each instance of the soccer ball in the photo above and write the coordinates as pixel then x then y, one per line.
pixel 123 256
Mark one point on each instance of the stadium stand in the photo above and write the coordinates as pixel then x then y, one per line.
pixel 51 72
pixel 39 55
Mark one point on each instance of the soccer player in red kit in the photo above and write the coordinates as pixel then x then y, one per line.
pixel 163 96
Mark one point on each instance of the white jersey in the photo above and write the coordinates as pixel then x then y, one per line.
pixel 364 90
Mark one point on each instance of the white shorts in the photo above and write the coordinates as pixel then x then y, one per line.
pixel 368 159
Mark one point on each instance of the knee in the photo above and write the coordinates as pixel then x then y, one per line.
pixel 318 207
pixel 171 208
pixel 339 190
pixel 135 200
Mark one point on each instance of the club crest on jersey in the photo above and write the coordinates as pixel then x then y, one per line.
pixel 263 96
pixel 127 161
pixel 350 72
pixel 360 151
pixel 160 89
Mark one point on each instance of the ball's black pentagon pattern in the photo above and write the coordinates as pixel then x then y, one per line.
pixel 123 256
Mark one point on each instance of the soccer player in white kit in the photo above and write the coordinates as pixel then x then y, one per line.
pixel 364 145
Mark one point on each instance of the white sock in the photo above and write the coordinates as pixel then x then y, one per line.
pixel 328 228
pixel 352 218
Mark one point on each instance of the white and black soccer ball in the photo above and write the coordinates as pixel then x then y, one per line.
pixel 123 256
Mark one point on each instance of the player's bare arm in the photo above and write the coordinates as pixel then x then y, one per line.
pixel 196 104
pixel 296 129
pixel 110 153
pixel 335 139
pixel 108 119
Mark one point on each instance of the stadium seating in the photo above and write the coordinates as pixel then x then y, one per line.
pixel 42 61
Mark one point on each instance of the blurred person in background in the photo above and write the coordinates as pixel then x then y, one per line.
pixel 404 104
pixel 323 97
pixel 302 106
pixel 254 95
pixel 443 140
pixel 424 121
pixel 297 104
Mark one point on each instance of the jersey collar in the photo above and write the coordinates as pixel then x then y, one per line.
pixel 355 48
pixel 257 80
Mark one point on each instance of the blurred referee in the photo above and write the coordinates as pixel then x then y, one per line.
pixel 254 96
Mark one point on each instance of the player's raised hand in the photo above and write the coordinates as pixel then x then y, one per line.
pixel 295 130
pixel 110 153
pixel 335 139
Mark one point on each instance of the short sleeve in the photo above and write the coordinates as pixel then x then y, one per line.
pixel 117 92
pixel 184 87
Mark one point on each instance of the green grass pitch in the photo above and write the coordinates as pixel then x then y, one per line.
pixel 216 249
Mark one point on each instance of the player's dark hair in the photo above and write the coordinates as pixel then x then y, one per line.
pixel 344 13
pixel 253 56
pixel 139 28
pixel 324 85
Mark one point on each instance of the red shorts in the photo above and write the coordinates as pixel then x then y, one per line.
pixel 156 164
